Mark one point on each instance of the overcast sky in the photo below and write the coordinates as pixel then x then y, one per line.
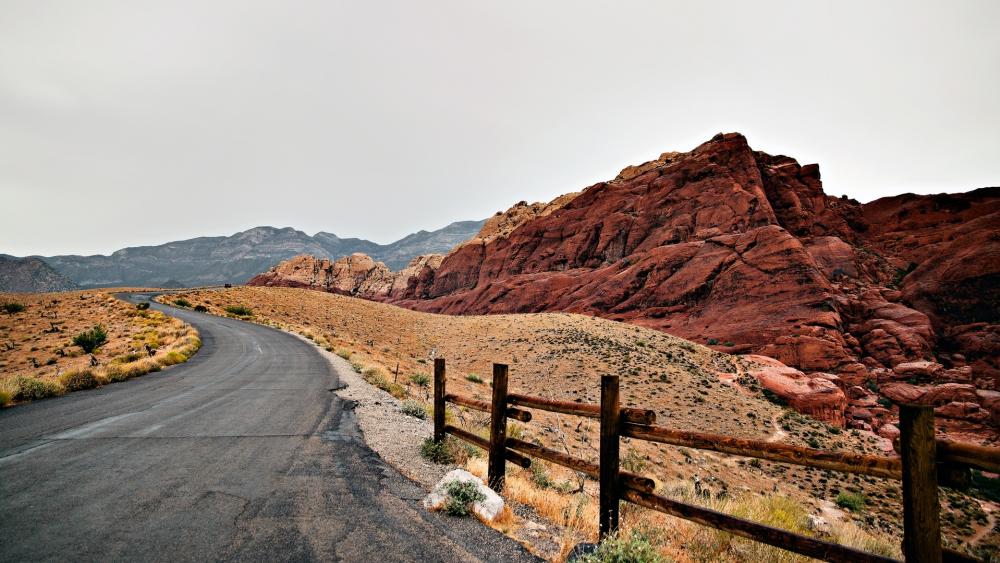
pixel 125 123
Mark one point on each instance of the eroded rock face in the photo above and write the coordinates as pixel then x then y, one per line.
pixel 745 252
pixel 813 394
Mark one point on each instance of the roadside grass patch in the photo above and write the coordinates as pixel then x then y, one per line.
pixel 78 380
pixel 442 452
pixel 182 303
pixel 201 308
pixel 377 377
pixel 344 353
pixel 32 389
pixel 414 409
pixel 630 546
pixel 239 310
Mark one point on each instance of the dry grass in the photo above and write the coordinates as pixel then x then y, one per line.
pixel 38 358
pixel 562 356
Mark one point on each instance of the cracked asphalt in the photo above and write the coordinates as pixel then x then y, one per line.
pixel 243 453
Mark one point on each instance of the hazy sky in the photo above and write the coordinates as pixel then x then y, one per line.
pixel 132 122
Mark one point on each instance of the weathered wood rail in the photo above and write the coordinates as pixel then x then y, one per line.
pixel 925 463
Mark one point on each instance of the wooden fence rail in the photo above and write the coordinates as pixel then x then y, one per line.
pixel 924 464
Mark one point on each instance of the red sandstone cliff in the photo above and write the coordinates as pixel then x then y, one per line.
pixel 744 251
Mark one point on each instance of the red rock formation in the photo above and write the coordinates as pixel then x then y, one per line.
pixel 744 251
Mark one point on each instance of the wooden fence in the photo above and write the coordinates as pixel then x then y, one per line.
pixel 924 463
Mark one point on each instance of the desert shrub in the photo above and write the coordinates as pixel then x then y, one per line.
pixel 713 341
pixel 851 501
pixel 239 310
pixel 633 461
pixel 414 409
pixel 376 377
pixel 624 547
pixel 114 373
pixel 8 390
pixel 474 378
pixel 182 302
pixel 358 368
pixel 78 380
pixel 540 475
pixel 142 306
pixel 201 308
pixel 5 398
pixel 421 379
pixel 90 340
pixel 344 353
pixel 461 496
pixel 10 307
pixel 442 452
pixel 31 389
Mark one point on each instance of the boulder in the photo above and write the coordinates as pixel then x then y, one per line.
pixel 488 509
pixel 815 396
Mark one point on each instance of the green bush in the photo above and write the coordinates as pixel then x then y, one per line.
pixel 414 409
pixel 31 389
pixel 142 306
pixel 474 378
pixel 201 308
pixel 78 380
pixel 182 303
pixel 851 501
pixel 631 547
pixel 713 341
pixel 421 379
pixel 90 340
pixel 461 496
pixel 11 307
pixel 442 452
pixel 239 310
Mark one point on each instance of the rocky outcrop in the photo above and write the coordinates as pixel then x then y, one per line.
pixel 744 251
pixel 816 394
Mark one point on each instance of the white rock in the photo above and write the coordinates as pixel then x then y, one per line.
pixel 487 510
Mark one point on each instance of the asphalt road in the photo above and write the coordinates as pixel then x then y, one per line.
pixel 242 453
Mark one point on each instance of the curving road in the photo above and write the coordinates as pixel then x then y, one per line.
pixel 242 453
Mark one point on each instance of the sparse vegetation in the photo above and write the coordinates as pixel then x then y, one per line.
pixel 12 307
pixel 854 502
pixel 631 546
pixel 239 310
pixel 474 378
pixel 414 409
pixel 182 303
pixel 420 379
pixel 344 353
pixel 441 453
pixel 32 389
pixel 461 496
pixel 90 340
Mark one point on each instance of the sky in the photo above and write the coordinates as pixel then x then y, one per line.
pixel 127 123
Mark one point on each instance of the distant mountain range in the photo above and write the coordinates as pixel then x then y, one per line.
pixel 217 260
pixel 31 274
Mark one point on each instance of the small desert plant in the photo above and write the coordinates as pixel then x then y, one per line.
pixel 8 390
pixel 461 496
pixel 713 341
pixel 633 461
pixel 420 379
pixel 474 378
pixel 90 340
pixel 439 452
pixel 142 306
pixel 182 302
pixel 624 547
pixel 30 389
pixel 77 380
pixel 344 353
pixel 11 307
pixel 851 501
pixel 201 308
pixel 376 377
pixel 414 409
pixel 239 310
pixel 358 368
pixel 130 357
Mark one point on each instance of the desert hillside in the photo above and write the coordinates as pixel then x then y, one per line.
pixel 561 356
pixel 892 301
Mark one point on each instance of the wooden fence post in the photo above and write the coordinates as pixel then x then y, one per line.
pixel 921 507
pixel 439 406
pixel 498 430
pixel 610 433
